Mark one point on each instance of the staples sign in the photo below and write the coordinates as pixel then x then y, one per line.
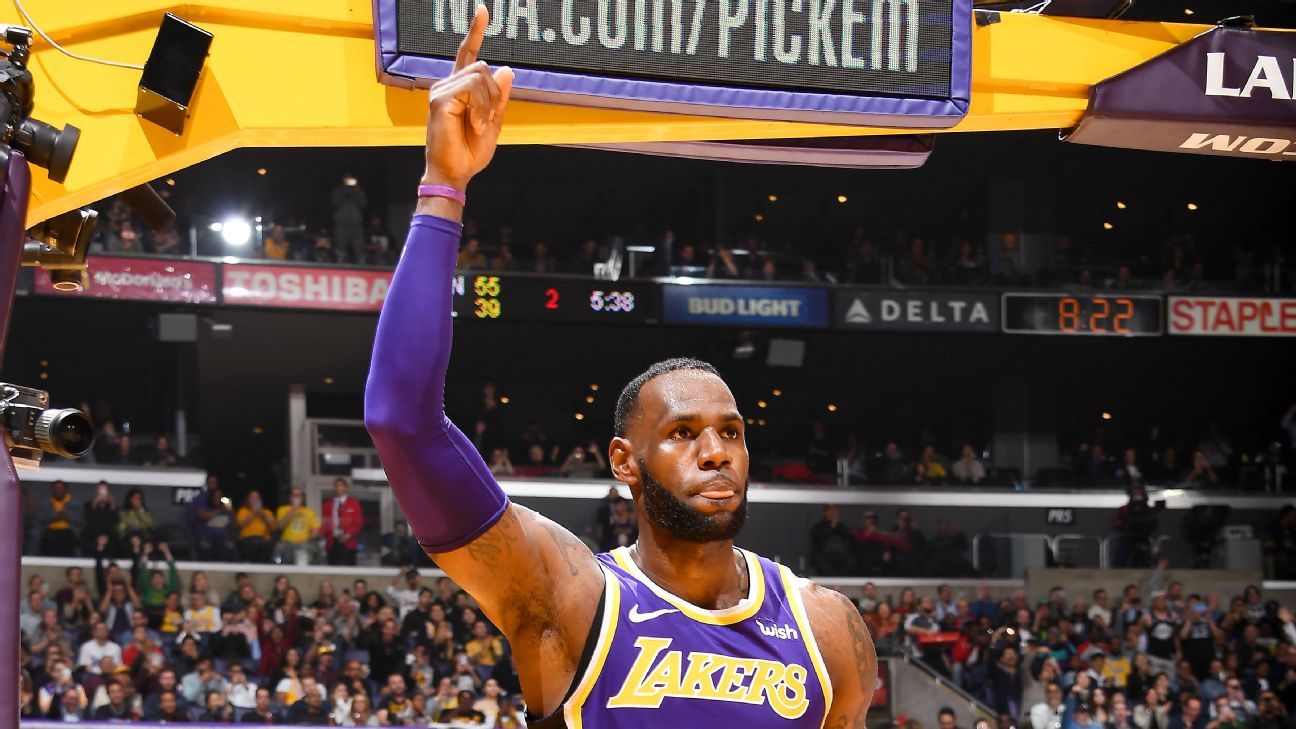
pixel 1228 316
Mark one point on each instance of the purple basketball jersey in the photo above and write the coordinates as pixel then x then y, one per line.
pixel 662 662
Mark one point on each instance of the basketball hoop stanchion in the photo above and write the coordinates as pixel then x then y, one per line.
pixel 13 214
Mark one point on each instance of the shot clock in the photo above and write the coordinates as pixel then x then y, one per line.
pixel 1083 315
pixel 514 297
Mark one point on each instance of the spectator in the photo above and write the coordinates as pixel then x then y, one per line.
pixel 542 261
pixel 134 519
pixel 361 712
pixel 153 584
pixel 933 471
pixel 621 529
pixel 967 269
pixel 211 515
pixel 263 712
pixel 470 256
pixel 256 527
pixel 276 246
pixel 921 624
pixel 162 454
pixel 503 259
pixel 117 708
pixel 406 598
pixel 100 519
pixel 585 258
pixel 832 545
pixel 485 649
pixel 1128 472
pixel 349 203
pixel 216 709
pixel 299 530
pixel 1136 522
pixel 99 647
pixel 945 718
pixel 1005 263
pixel 343 520
pixel 311 708
pixel 1202 475
pixel 500 465
pixel 584 462
pixel 1048 713
pixel 895 469
pixel 722 263
pixel 322 250
pixel 59 520
pixel 378 243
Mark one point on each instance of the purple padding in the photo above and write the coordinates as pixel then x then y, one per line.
pixel 862 153
pixel 13 225
pixel 1191 99
pixel 678 98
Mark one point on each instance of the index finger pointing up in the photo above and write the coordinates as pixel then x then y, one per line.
pixel 472 42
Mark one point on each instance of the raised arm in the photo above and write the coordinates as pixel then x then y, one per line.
pixel 532 577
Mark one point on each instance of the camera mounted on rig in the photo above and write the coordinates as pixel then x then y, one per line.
pixel 43 145
pixel 32 428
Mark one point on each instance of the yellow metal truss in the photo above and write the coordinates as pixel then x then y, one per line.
pixel 301 73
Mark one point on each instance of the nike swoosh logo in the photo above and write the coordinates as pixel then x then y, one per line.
pixel 638 617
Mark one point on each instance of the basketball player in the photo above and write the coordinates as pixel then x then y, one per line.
pixel 678 630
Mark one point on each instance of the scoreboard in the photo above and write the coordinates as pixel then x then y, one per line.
pixel 495 297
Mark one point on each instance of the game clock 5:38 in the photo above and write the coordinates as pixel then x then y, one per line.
pixel 1083 315
pixel 514 297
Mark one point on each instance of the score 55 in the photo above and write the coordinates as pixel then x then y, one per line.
pixel 487 290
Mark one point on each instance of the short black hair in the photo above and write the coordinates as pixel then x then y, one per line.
pixel 945 710
pixel 628 403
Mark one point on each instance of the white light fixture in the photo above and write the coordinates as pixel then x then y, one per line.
pixel 235 231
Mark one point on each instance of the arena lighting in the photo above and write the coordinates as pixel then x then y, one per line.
pixel 257 429
pixel 215 227
pixel 328 380
pixel 761 403
pixel 1107 226
pixel 261 171
pixel 236 231
pixel 504 400
pixel 594 387
pixel 773 198
pixel 1106 415
pixel 580 416
pixel 841 198
pixel 832 408
pixel 759 217
pixel 1192 206
pixel 589 398
pixel 1188 11
pixel 776 393
pixel 1120 205
pixel 761 422
pixel 170 182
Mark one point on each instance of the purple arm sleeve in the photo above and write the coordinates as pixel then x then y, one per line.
pixel 444 487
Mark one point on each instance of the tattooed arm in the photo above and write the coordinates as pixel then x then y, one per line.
pixel 848 654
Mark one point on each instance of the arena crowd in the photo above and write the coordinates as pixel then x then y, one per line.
pixel 148 643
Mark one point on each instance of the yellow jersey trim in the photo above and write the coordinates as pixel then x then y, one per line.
pixel 611 613
pixel 745 608
pixel 807 635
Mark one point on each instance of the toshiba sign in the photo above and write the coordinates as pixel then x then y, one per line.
pixel 1242 317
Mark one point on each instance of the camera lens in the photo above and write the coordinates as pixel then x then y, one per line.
pixel 48 147
pixel 66 433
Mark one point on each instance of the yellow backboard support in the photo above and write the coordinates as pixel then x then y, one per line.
pixel 301 73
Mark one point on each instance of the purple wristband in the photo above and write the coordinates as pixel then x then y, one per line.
pixel 443 191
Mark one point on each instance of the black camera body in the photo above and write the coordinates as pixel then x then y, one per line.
pixel 42 144
pixel 33 428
